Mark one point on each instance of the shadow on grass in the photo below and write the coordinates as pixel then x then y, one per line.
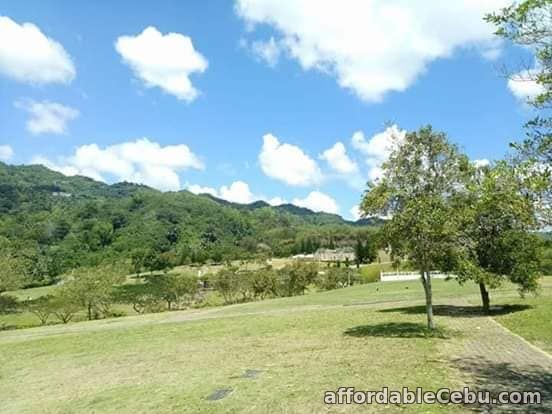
pixel 396 330
pixel 497 377
pixel 459 311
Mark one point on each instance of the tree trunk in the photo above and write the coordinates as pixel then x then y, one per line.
pixel 426 282
pixel 484 297
pixel 89 311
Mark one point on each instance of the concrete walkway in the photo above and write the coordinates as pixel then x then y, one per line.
pixel 489 357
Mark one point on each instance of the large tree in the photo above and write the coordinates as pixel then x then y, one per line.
pixel 420 180
pixel 528 23
pixel 498 243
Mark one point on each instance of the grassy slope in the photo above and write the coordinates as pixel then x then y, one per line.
pixel 170 362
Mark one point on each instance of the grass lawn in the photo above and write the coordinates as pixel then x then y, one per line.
pixel 174 367
pixel 275 356
pixel 535 322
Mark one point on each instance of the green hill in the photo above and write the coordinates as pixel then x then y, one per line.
pixel 57 223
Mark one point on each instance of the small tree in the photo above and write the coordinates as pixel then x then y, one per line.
pixel 423 174
pixel 498 244
pixel 227 283
pixel 92 288
pixel 42 308
pixel 294 279
pixel 174 288
pixel 64 305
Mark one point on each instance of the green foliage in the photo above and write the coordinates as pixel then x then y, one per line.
pixel 140 296
pixel 335 278
pixel 421 179
pixel 56 223
pixel 295 278
pixel 528 23
pixel 92 288
pixel 11 272
pixel 41 307
pixel 174 288
pixel 497 218
pixel 8 304
pixel 227 282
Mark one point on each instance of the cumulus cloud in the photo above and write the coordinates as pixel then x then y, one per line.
pixel 28 55
pixel 524 86
pixel 141 161
pixel 355 212
pixel 276 201
pixel 164 61
pixel 318 201
pixel 288 163
pixel 198 189
pixel 338 160
pixel 6 153
pixel 374 47
pixel 47 117
pixel 377 149
pixel 236 192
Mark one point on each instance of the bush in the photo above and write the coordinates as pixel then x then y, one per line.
pixel 174 288
pixel 8 304
pixel 294 279
pixel 42 308
pixel 369 274
pixel 335 278
pixel 227 283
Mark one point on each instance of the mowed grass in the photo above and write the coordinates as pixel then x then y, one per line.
pixel 534 321
pixel 172 362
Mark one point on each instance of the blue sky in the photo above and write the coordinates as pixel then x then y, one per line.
pixel 186 103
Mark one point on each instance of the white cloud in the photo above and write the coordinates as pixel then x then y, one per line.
pixel 338 160
pixel 237 192
pixel 481 163
pixel 6 153
pixel 197 189
pixel 288 163
pixel 27 55
pixel 374 47
pixel 269 51
pixel 47 117
pixel 141 161
pixel 377 148
pixel 523 85
pixel 276 201
pixel 165 61
pixel 317 201
pixel 355 212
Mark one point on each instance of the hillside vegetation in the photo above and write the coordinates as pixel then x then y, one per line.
pixel 55 223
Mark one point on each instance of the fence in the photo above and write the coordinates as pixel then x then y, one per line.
pixel 399 276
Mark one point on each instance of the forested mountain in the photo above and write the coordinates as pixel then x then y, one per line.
pixel 57 223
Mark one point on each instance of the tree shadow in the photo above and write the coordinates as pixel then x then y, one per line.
pixel 459 311
pixel 396 330
pixel 497 377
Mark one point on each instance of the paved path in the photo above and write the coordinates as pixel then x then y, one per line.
pixel 490 357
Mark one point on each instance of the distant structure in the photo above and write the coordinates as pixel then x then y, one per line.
pixel 402 276
pixel 329 255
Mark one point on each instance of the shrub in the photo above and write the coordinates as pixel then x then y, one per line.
pixel 8 304
pixel 295 278
pixel 335 278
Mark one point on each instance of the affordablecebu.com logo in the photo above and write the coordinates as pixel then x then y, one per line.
pixel 348 395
